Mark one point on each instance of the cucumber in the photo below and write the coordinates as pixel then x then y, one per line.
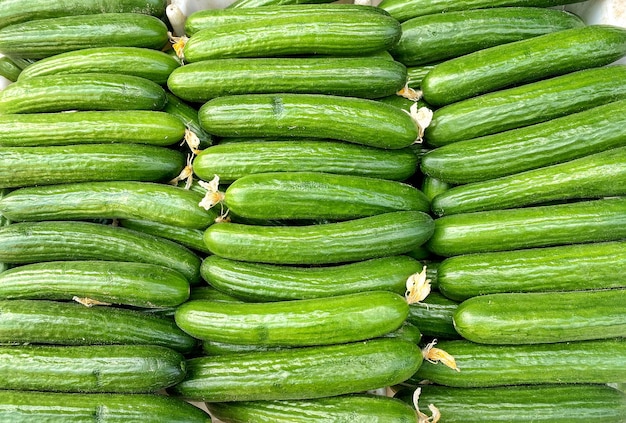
pixel 300 373
pixel 26 166
pixel 232 161
pixel 24 406
pixel 354 240
pixel 434 316
pixel 160 203
pixel 598 265
pixel 597 175
pixel 481 365
pixel 40 38
pixel 259 282
pixel 526 104
pixel 540 226
pixel 188 114
pixel 134 284
pixel 146 63
pixel 212 294
pixel 190 238
pixel 524 61
pixel 90 91
pixel 555 141
pixel 366 77
pixel 32 242
pixel 8 69
pixel 63 323
pixel 415 75
pixel 93 368
pixel 265 3
pixel 356 120
pixel 435 38
pixel 432 187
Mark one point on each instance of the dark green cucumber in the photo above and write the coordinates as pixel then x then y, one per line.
pixel 526 104
pixel 240 4
pixel 128 283
pixel 32 242
pixel 432 187
pixel 540 226
pixel 523 61
pixel 531 147
pixel 212 294
pixel 90 91
pixel 26 166
pixel 265 282
pixel 354 240
pixel 356 120
pixel 480 365
pixel 190 238
pixel 36 39
pixel 9 70
pixel 415 75
pixel 93 368
pixel 188 114
pixel 598 265
pixel 146 63
pixel 232 161
pixel 300 373
pixel 434 38
pixel 434 316
pixel 66 323
pixel 52 407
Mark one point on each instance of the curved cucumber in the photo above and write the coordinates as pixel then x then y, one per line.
pixel 190 238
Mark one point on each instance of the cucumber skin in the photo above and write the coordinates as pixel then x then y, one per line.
pixel 91 369
pixel 9 70
pixel 188 115
pixel 523 61
pixel 356 120
pixel 256 3
pixel 598 265
pixel 302 373
pixel 434 316
pixel 359 239
pixel 190 238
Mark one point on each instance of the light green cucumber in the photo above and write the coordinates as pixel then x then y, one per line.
pixel 8 69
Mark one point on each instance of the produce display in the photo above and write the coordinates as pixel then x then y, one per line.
pixel 283 211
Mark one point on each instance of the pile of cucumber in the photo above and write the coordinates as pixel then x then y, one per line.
pixel 411 212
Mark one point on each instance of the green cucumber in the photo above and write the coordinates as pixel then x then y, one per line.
pixel 190 238
pixel 188 114
pixel 232 161
pixel 598 265
pixel 555 141
pixel 40 38
pixel 90 91
pixel 356 120
pixel 526 104
pixel 481 365
pixel 354 240
pixel 57 407
pixel 26 166
pixel 434 316
pixel 9 70
pixel 415 75
pixel 432 187
pixel 434 38
pixel 65 323
pixel 134 284
pixel 523 61
pixel 540 226
pixel 212 294
pixel 300 373
pixel 146 63
pixel 257 3
pixel 32 242
pixel 93 368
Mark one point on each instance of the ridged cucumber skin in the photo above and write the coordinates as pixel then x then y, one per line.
pixel 525 105
pixel 32 242
pixel 8 69
pixel 354 240
pixel 134 284
pixel 301 373
pixel 146 63
pixel 257 282
pixel 595 176
pixel 190 238
pixel 361 121
pixel 151 201
pixel 89 91
pixel 529 227
pixel 434 316
pixel 344 76
pixel 598 265
pixel 415 75
pixel 597 361
pixel 40 38
pixel 53 407
pixel 24 166
pixel 517 150
pixel 240 4
pixel 188 115
pixel 435 38
pixel 318 321
pixel 353 408
pixel 523 61
pixel 317 195
pixel 234 160
pixel 66 323
pixel 90 369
